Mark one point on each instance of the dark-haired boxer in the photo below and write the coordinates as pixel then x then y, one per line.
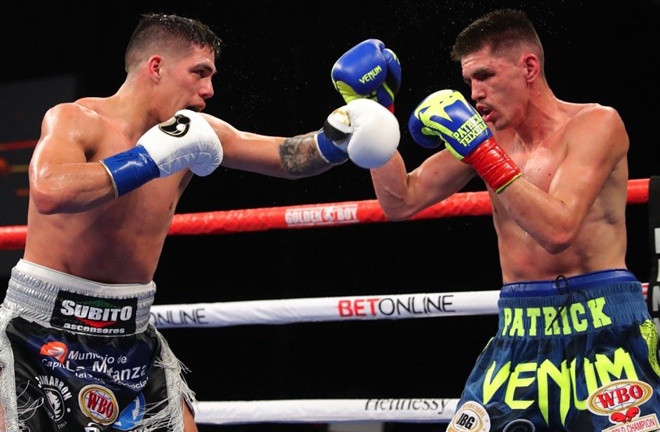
pixel 576 349
pixel 77 352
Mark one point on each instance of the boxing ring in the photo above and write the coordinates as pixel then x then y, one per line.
pixel 330 309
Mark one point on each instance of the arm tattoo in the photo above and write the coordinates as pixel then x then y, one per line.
pixel 300 156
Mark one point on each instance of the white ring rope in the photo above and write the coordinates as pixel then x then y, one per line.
pixel 326 411
pixel 285 311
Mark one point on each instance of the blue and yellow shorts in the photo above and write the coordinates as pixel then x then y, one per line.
pixel 574 354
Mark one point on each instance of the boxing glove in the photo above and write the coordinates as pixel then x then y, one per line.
pixel 368 70
pixel 445 117
pixel 363 131
pixel 186 140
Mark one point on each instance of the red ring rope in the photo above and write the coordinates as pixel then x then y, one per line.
pixel 316 215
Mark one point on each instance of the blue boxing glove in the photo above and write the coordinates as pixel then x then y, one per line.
pixel 186 140
pixel 363 131
pixel 445 117
pixel 368 70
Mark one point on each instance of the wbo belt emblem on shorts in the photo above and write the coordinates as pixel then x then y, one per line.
pixel 621 401
pixel 93 315
pixel 99 404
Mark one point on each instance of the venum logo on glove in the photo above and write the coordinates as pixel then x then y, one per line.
pixel 177 126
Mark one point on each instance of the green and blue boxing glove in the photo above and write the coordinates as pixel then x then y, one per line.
pixel 445 117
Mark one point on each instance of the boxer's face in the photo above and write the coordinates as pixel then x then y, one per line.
pixel 496 83
pixel 190 78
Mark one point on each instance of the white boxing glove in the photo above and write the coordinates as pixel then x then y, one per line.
pixel 363 131
pixel 186 140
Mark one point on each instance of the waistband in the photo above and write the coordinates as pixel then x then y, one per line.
pixel 58 300
pixel 565 285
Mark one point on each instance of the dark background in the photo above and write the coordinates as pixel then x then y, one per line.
pixel 274 78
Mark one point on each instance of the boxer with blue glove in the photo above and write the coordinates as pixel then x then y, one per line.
pixel 106 177
pixel 574 330
pixel 184 141
pixel 368 70
pixel 362 131
pixel 445 117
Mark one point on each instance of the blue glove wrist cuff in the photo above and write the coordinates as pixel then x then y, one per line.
pixel 329 150
pixel 130 169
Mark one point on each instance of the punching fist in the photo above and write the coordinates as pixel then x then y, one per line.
pixel 362 131
pixel 368 70
pixel 186 140
pixel 445 117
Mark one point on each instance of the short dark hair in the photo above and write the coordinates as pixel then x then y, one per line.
pixel 159 27
pixel 501 28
